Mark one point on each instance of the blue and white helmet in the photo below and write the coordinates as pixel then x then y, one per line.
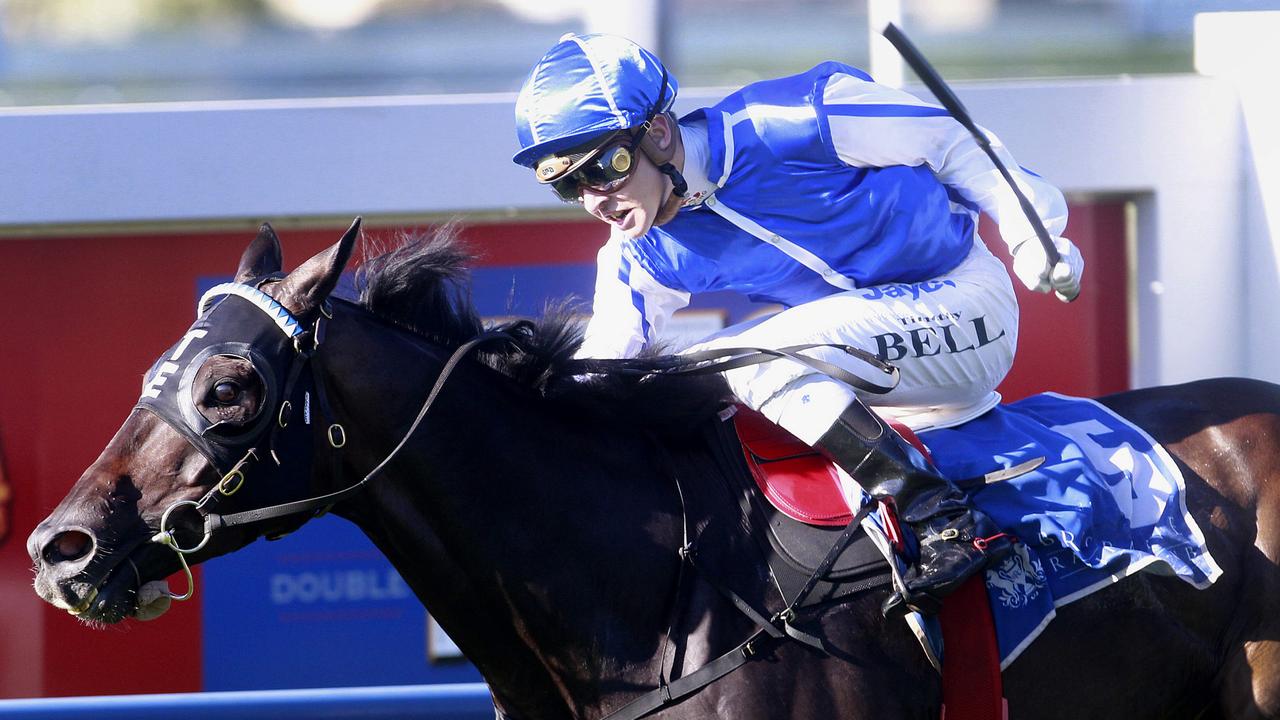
pixel 585 86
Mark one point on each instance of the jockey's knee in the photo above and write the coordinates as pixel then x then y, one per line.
pixel 808 406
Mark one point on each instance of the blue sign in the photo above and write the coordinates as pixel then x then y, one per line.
pixel 319 608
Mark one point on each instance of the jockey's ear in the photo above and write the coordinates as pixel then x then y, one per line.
pixel 305 288
pixel 262 257
pixel 661 129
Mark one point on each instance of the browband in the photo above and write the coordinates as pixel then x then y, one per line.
pixel 277 312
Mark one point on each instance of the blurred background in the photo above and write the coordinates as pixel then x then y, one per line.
pixel 96 51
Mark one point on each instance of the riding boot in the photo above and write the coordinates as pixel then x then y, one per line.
pixel 956 540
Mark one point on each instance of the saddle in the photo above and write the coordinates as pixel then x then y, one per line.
pixel 804 487
pixel 779 508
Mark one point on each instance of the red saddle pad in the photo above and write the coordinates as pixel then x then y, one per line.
pixel 797 480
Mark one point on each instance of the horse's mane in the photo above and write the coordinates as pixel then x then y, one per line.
pixel 421 283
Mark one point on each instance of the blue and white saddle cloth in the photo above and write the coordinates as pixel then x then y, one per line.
pixel 1107 502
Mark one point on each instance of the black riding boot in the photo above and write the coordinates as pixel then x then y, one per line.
pixel 956 540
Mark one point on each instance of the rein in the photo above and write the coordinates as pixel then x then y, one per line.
pixel 718 360
pixel 214 522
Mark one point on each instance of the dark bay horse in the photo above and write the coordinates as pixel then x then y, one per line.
pixel 535 516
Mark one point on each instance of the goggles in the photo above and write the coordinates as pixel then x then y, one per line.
pixel 603 169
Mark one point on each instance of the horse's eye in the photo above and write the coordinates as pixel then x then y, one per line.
pixel 226 392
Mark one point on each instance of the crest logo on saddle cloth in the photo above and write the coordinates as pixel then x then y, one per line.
pixel 1018 580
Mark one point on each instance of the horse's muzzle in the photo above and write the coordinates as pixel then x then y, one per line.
pixel 61 555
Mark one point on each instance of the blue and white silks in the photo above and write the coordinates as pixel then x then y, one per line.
pixel 805 186
pixel 1107 502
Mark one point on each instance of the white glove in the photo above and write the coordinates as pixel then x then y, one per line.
pixel 1031 265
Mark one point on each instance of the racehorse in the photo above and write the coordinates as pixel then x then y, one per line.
pixel 535 514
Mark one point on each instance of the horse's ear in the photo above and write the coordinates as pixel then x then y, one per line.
pixel 262 257
pixel 306 287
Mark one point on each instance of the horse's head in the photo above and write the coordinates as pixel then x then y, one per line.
pixel 207 437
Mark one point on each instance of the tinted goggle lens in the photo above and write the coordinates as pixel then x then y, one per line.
pixel 605 173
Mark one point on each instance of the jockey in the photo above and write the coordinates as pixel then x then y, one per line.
pixel 852 205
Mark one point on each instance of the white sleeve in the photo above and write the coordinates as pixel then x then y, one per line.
pixel 630 308
pixel 877 126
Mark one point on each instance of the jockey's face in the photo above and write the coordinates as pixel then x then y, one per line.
pixel 633 208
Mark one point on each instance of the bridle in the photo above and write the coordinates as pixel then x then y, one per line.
pixel 265 444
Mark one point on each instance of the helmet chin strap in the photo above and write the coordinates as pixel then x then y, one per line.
pixel 662 160
pixel 678 186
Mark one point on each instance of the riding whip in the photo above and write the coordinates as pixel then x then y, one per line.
pixel 932 80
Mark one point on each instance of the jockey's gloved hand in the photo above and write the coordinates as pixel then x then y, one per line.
pixel 1031 265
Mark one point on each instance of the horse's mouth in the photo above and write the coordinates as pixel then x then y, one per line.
pixel 121 592
pixel 84 604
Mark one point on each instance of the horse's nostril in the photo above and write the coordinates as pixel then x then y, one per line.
pixel 67 546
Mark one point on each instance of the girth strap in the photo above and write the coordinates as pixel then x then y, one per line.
pixel 766 625
pixel 837 548
pixel 755 646
pixel 768 630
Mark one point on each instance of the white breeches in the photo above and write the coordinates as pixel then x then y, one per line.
pixel 952 338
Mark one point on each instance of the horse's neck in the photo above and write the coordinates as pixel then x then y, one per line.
pixel 393 519
pixel 528 536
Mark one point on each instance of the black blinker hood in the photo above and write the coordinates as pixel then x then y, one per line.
pixel 167 389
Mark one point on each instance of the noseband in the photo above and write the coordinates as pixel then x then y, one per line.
pixel 280 348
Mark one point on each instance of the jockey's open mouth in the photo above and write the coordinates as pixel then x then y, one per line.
pixel 617 218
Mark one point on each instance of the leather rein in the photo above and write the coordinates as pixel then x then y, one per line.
pixel 307 347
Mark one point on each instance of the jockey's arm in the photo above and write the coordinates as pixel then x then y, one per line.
pixel 877 126
pixel 630 307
